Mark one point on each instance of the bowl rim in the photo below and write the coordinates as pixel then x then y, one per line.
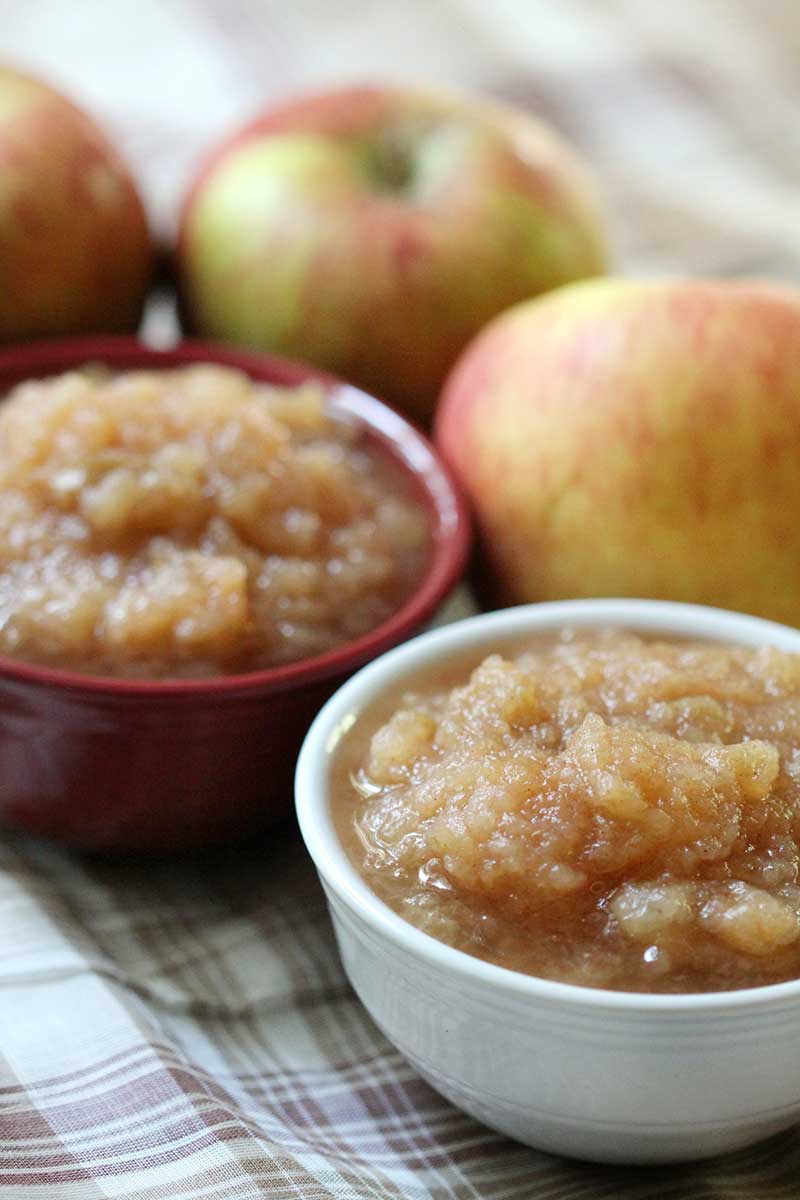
pixel 406 446
pixel 341 711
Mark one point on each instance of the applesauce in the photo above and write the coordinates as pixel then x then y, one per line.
pixel 595 808
pixel 190 522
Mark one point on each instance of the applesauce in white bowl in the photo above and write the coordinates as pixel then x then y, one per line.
pixel 694 1063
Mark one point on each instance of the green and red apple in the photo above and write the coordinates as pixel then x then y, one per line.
pixel 75 253
pixel 374 231
pixel 624 438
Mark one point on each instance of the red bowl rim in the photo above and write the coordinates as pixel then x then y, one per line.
pixel 450 523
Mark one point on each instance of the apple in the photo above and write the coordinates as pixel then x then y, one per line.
pixel 626 438
pixel 75 253
pixel 374 231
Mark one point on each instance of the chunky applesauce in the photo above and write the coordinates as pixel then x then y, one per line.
pixel 190 522
pixel 598 809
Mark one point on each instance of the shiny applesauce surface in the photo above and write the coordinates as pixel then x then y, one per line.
pixel 190 522
pixel 597 809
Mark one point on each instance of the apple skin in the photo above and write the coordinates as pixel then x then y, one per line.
pixel 374 231
pixel 75 253
pixel 624 438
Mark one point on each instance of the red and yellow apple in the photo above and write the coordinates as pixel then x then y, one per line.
pixel 624 438
pixel 374 231
pixel 75 253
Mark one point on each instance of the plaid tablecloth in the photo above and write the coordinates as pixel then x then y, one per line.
pixel 182 1029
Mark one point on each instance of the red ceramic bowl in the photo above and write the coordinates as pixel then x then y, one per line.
pixel 157 765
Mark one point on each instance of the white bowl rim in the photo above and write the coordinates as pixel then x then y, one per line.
pixel 338 714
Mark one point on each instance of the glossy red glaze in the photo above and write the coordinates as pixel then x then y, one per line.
pixel 176 764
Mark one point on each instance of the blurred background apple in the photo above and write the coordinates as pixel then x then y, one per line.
pixel 624 438
pixel 373 231
pixel 75 254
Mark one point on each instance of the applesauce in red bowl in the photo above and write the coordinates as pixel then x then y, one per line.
pixel 198 545
pixel 190 522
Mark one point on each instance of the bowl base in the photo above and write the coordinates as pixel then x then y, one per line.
pixel 609 1142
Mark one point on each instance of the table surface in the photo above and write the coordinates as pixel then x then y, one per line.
pixel 183 1029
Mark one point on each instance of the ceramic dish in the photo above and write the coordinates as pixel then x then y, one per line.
pixel 110 763
pixel 609 1076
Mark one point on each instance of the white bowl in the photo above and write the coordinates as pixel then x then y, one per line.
pixel 609 1076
